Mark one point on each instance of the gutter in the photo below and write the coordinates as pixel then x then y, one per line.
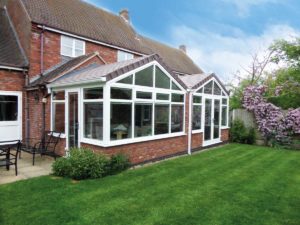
pixel 88 39
pixel 12 68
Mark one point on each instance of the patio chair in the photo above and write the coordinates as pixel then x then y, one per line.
pixel 45 146
pixel 7 158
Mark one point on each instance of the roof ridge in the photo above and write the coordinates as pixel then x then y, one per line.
pixel 16 38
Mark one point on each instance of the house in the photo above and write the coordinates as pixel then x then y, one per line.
pixel 71 67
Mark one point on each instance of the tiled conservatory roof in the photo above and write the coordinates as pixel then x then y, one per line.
pixel 110 71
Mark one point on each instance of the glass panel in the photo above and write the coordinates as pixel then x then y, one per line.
pixel 8 108
pixel 73 120
pixel 217 119
pixel 66 41
pixel 207 120
pixel 208 88
pixel 177 118
pixel 162 96
pixel 174 86
pixel 93 93
pixel 78 52
pixel 118 93
pixel 143 120
pixel 79 45
pixel 161 119
pixel 200 90
pixel 58 95
pixel 58 123
pixel 93 120
pixel 224 101
pixel 197 117
pixel 217 89
pixel 67 51
pixel 161 79
pixel 145 77
pixel 126 80
pixel 124 56
pixel 120 121
pixel 224 115
pixel 197 99
pixel 143 95
pixel 177 98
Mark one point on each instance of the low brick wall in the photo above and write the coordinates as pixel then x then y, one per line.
pixel 224 135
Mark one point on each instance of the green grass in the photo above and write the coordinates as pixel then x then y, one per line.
pixel 234 184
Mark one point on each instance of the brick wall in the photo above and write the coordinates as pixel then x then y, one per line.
pixel 197 140
pixel 224 134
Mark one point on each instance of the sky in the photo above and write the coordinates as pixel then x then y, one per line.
pixel 220 35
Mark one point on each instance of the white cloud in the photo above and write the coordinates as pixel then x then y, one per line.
pixel 244 6
pixel 225 55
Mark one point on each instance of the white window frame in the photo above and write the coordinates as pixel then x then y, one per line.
pixel 73 46
pixel 63 135
pixel 127 56
pixel 194 131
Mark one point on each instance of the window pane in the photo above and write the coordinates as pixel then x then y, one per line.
pixel 126 80
pixel 67 51
pixel 161 119
pixel 8 108
pixel 161 79
pixel 162 96
pixel 143 120
pixel 79 45
pixel 224 116
pixel 174 86
pixel 58 123
pixel 143 95
pixel 93 120
pixel 177 98
pixel 78 52
pixel 177 118
pixel 217 89
pixel 93 93
pixel 200 90
pixel 66 41
pixel 118 93
pixel 124 56
pixel 120 121
pixel 145 77
pixel 208 88
pixel 224 101
pixel 197 99
pixel 58 95
pixel 196 117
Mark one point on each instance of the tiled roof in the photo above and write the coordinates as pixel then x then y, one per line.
pixel 83 19
pixel 11 53
pixel 60 69
pixel 110 71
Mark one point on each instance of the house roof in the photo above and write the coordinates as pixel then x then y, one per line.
pixel 61 68
pixel 88 21
pixel 110 71
pixel 11 52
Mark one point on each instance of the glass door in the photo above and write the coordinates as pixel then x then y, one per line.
pixel 73 120
pixel 211 121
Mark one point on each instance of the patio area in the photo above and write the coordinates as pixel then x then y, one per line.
pixel 26 169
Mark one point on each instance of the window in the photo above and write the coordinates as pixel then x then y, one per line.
pixel 8 108
pixel 208 88
pixel 58 111
pixel 126 80
pixel 175 87
pixel 164 97
pixel 120 121
pixel 177 98
pixel 197 112
pixel 161 79
pixel 121 93
pixel 143 95
pixel 217 89
pixel 122 56
pixel 224 118
pixel 71 47
pixel 145 77
pixel 177 118
pixel 161 119
pixel 143 120
pixel 93 113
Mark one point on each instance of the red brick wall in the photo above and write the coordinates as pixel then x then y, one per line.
pixel 197 140
pixel 148 150
pixel 11 80
pixel 224 134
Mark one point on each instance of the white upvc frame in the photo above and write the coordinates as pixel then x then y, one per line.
pixel 63 135
pixel 73 45
pixel 213 97
pixel 127 55
pixel 17 122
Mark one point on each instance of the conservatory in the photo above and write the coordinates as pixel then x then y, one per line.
pixel 138 101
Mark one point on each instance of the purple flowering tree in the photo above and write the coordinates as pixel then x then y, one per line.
pixel 270 119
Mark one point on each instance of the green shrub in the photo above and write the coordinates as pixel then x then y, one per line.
pixel 84 164
pixel 239 133
pixel 286 101
pixel 118 163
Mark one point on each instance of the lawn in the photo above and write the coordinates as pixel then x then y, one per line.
pixel 233 184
